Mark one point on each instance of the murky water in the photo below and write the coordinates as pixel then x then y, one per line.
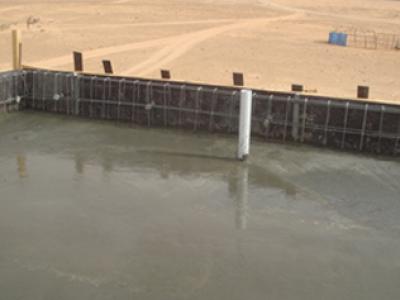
pixel 95 210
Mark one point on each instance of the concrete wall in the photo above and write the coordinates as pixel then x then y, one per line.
pixel 345 124
pixel 11 86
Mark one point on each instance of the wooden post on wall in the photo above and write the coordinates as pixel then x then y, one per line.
pixel 165 74
pixel 16 49
pixel 108 69
pixel 238 79
pixel 297 88
pixel 78 61
pixel 363 92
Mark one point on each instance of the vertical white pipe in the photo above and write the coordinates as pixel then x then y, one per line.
pixel 246 99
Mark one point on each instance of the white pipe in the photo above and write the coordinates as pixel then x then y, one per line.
pixel 246 99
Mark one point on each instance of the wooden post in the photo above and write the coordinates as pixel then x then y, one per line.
pixel 297 88
pixel 16 49
pixel 78 61
pixel 238 79
pixel 363 92
pixel 165 74
pixel 108 69
pixel 20 55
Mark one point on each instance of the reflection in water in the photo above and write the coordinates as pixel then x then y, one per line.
pixel 318 220
pixel 21 165
pixel 80 161
pixel 241 199
pixel 238 190
pixel 238 179
pixel 107 164
pixel 79 164
pixel 164 171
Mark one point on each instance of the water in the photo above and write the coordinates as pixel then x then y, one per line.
pixel 95 210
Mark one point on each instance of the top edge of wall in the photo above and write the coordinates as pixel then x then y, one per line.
pixel 228 87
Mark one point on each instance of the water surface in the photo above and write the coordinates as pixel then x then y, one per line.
pixel 97 210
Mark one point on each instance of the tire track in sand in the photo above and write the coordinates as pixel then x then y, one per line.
pixel 6 9
pixel 181 45
pixel 343 16
pixel 174 46
pixel 101 52
pixel 148 24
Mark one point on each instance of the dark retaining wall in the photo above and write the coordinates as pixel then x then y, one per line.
pixel 11 86
pixel 346 124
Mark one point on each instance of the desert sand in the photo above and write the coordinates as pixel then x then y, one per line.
pixel 274 43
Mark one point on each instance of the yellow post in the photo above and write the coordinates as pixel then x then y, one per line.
pixel 16 49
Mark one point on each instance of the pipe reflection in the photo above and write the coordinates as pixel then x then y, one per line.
pixel 107 165
pixel 238 182
pixel 241 197
pixel 21 166
pixel 79 164
pixel 238 176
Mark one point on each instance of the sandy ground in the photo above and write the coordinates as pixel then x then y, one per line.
pixel 275 43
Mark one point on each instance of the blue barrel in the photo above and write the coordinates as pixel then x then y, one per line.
pixel 338 38
pixel 332 37
pixel 342 39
